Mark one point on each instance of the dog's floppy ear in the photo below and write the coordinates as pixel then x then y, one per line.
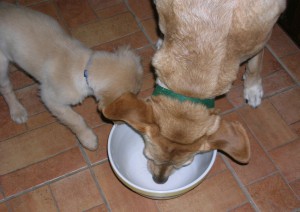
pixel 231 138
pixel 130 109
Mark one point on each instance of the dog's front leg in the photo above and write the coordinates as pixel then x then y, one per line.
pixel 75 122
pixel 17 111
pixel 253 90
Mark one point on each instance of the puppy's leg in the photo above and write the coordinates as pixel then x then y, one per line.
pixel 17 111
pixel 74 121
pixel 253 90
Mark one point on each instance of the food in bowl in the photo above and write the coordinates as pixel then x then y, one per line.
pixel 125 151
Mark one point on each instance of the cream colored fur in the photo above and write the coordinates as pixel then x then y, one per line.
pixel 37 44
pixel 204 43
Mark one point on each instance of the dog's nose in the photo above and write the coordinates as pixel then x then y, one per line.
pixel 160 180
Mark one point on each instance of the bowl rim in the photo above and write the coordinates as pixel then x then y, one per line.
pixel 151 192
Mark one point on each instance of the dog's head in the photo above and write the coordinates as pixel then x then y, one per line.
pixel 175 132
pixel 113 73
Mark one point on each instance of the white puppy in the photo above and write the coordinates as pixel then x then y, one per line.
pixel 66 70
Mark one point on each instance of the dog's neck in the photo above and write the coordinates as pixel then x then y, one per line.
pixel 162 89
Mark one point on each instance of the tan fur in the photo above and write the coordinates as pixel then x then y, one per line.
pixel 37 44
pixel 204 44
pixel 208 40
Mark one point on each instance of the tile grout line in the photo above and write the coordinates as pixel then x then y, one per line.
pixel 263 178
pixel 283 64
pixel 238 206
pixel 54 199
pixel 90 167
pixel 281 91
pixel 234 109
pixel 293 124
pixel 8 207
pixel 42 160
pixel 278 170
pixel 49 182
pixel 241 185
pixel 257 139
pixel 289 54
pixel 139 23
pixel 43 184
pixel 282 145
pixel 271 94
pixel 30 4
pixel 209 176
pixel 61 20
pixel 2 193
pixel 103 9
pixel 265 97
pixel 28 86
pixel 28 130
pixel 119 38
pixel 281 115
pixel 93 9
pixel 293 181
pixel 99 162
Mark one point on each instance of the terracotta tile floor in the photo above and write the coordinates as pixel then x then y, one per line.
pixel 43 168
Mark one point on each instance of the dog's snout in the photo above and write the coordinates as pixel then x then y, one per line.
pixel 159 179
pixel 160 173
pixel 163 174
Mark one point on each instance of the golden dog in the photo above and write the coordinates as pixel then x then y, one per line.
pixel 204 43
pixel 67 70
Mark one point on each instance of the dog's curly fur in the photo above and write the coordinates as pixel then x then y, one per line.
pixel 37 44
pixel 204 44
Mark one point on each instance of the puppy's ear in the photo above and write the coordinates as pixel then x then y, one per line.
pixel 130 109
pixel 232 138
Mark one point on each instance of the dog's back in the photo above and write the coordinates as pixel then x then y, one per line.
pixel 26 33
pixel 205 41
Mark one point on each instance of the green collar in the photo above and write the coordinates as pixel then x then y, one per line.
pixel 209 103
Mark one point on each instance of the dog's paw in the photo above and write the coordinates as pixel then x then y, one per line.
pixel 89 140
pixel 18 114
pixel 253 95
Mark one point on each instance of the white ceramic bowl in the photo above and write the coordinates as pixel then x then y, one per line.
pixel 125 152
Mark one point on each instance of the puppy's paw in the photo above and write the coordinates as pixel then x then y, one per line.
pixel 89 140
pixel 18 114
pixel 253 95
